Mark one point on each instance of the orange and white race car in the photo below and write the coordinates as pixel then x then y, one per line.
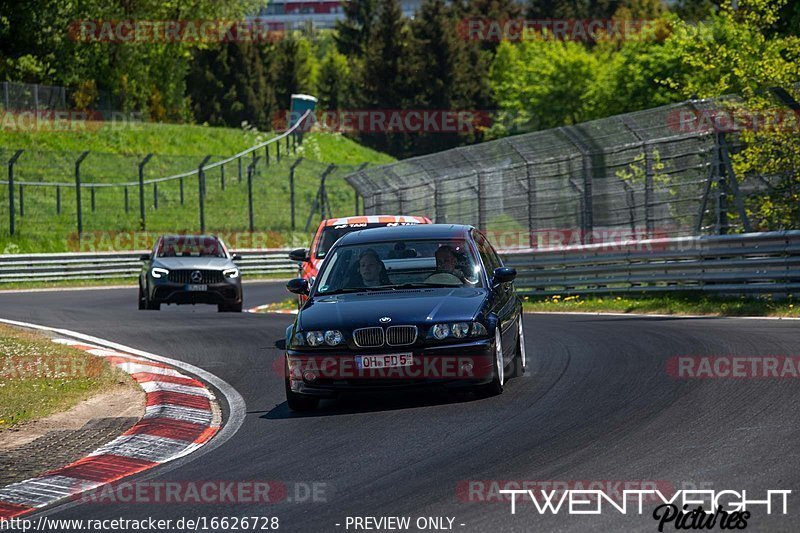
pixel 330 230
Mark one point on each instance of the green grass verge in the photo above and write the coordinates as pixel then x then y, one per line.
pixel 667 305
pixel 39 377
pixel 289 304
pixel 115 154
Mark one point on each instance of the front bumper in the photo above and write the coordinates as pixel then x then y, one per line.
pixel 451 366
pixel 225 292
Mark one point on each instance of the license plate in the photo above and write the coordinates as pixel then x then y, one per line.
pixel 196 288
pixel 384 361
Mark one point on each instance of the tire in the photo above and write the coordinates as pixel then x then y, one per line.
pixel 495 388
pixel 229 308
pixel 142 301
pixel 150 305
pixel 520 359
pixel 298 402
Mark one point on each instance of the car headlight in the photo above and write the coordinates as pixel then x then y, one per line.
pixel 315 338
pixel 458 330
pixel 441 331
pixel 478 330
pixel 299 339
pixel 157 272
pixel 333 337
pixel 231 273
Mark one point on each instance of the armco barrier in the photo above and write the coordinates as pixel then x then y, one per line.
pixel 745 263
pixel 114 265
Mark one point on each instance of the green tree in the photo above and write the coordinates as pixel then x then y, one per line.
pixel 334 81
pixel 354 31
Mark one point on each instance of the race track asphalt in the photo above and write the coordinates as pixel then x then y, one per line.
pixel 596 404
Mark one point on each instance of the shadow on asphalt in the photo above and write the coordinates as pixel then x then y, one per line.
pixel 349 404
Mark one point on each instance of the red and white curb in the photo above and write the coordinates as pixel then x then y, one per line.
pixel 181 415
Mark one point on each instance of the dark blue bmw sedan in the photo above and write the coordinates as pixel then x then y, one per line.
pixel 398 307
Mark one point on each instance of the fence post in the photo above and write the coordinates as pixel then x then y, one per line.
pixel 142 219
pixel 266 155
pixel 222 177
pixel 155 195
pixel 58 199
pixel 722 189
pixel 250 169
pixel 278 151
pixel 294 143
pixel 481 193
pixel 239 161
pixel 11 188
pixel 21 200
pixel 126 199
pixel 291 187
pixel 36 97
pixel 78 191
pixel 92 191
pixel 181 188
pixel 201 178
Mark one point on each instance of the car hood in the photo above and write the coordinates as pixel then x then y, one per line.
pixel 208 263
pixel 416 306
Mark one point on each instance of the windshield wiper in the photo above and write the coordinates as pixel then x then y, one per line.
pixel 357 289
pixel 422 285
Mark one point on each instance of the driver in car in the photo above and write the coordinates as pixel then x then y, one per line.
pixel 446 261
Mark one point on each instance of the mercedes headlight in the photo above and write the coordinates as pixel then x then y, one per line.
pixel 157 272
pixel 231 273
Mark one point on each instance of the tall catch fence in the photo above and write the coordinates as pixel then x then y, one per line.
pixel 89 197
pixel 663 172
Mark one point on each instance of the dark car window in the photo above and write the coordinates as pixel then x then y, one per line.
pixel 396 264
pixel 491 260
pixel 190 246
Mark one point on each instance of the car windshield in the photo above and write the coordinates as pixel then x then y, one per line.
pixel 331 234
pixel 190 246
pixel 400 264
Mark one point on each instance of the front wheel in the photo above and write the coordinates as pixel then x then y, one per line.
pixel 496 386
pixel 520 361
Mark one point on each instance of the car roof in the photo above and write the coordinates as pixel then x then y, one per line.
pixel 187 236
pixel 376 219
pixel 393 233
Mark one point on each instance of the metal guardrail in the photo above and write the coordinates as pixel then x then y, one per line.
pixel 747 263
pixel 120 265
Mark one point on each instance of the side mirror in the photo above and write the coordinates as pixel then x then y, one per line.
pixel 236 257
pixel 300 255
pixel 503 275
pixel 144 257
pixel 298 286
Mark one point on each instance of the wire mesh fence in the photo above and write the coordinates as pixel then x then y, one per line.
pixel 662 172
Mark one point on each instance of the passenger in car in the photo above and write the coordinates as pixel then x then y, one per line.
pixel 371 271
